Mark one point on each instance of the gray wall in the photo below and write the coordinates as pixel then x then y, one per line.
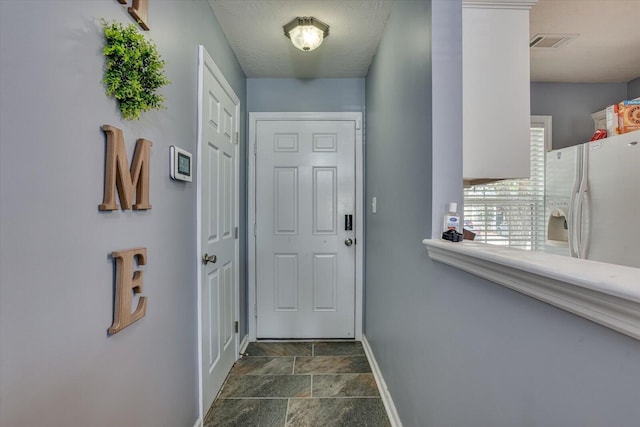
pixel 446 102
pixel 456 350
pixel 305 95
pixel 571 105
pixel 633 89
pixel 58 367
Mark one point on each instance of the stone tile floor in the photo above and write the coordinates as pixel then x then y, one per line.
pixel 300 384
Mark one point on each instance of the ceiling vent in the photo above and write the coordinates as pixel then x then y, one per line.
pixel 550 41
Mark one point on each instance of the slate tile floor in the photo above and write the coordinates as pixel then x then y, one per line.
pixel 300 384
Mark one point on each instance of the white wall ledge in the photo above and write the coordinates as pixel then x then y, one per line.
pixel 604 293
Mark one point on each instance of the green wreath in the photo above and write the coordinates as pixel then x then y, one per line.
pixel 134 70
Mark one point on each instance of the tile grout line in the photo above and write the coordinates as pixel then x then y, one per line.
pixel 294 397
pixel 286 414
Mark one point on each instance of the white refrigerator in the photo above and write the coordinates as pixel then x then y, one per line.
pixel 592 200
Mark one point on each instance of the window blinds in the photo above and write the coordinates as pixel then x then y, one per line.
pixel 511 212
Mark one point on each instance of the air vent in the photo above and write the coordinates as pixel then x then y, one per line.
pixel 550 41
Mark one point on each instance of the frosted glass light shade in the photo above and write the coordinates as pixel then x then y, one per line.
pixel 306 33
pixel 306 37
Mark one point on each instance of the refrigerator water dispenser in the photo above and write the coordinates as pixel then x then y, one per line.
pixel 557 228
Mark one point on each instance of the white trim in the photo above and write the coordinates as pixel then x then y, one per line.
pixel 198 423
pixel 359 227
pixel 359 217
pixel 244 344
pixel 198 225
pixel 229 90
pixel 546 123
pixel 392 413
pixel 607 294
pixel 499 4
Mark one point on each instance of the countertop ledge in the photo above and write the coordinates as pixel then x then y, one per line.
pixel 604 293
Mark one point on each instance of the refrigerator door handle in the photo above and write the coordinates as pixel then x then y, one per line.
pixel 573 214
pixel 582 231
pixel 580 241
pixel 572 221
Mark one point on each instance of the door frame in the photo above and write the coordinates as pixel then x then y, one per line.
pixel 252 307
pixel 202 52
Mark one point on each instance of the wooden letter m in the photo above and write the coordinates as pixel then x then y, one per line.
pixel 118 175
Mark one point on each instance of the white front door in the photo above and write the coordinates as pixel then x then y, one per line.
pixel 218 250
pixel 305 246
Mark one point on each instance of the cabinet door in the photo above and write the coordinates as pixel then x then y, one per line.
pixel 496 92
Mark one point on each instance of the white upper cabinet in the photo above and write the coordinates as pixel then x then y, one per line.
pixel 496 89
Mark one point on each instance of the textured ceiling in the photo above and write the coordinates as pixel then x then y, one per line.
pixel 254 31
pixel 606 50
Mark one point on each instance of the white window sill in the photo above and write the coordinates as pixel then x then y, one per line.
pixel 604 293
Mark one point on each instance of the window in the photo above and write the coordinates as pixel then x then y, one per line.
pixel 511 212
pixel 564 282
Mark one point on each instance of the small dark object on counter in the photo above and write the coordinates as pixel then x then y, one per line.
pixel 452 235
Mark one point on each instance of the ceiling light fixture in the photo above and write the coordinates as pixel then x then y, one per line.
pixel 306 33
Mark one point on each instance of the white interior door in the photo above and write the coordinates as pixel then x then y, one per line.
pixel 305 255
pixel 218 218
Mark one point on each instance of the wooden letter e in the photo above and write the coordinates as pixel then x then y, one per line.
pixel 128 283
pixel 117 173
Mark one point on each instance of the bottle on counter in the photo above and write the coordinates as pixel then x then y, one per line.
pixel 452 219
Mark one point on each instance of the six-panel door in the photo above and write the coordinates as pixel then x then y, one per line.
pixel 305 272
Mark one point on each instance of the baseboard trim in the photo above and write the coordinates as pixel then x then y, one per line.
pixel 198 423
pixel 244 344
pixel 392 413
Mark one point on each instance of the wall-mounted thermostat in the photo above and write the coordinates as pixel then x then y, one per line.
pixel 180 164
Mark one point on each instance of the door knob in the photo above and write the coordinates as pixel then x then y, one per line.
pixel 209 258
pixel 348 242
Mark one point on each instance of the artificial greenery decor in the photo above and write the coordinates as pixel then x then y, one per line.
pixel 134 70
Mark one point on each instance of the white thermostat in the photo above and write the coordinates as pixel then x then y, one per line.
pixel 181 169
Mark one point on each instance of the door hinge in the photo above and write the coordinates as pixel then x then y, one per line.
pixel 255 229
pixel 236 327
pixel 255 149
pixel 235 232
pixel 237 137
